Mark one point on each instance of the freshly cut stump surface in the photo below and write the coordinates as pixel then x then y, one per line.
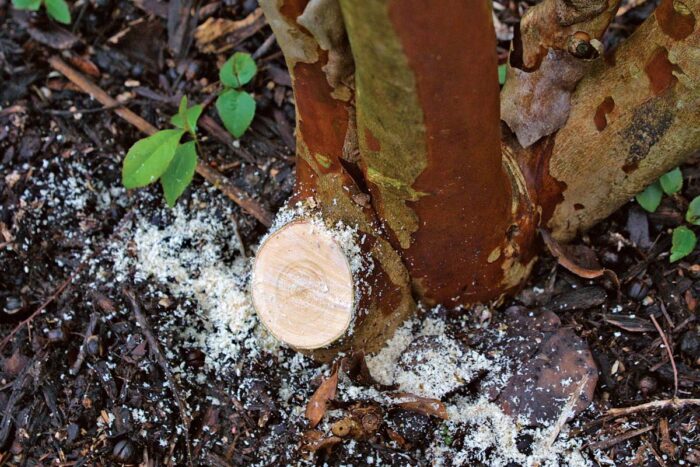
pixel 302 286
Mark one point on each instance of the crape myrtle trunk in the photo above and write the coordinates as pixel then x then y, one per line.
pixel 399 132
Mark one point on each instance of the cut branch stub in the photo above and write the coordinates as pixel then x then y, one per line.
pixel 302 286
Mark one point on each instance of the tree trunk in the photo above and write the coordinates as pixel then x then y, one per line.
pixel 399 133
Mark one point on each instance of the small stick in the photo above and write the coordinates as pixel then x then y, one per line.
pixel 654 405
pixel 566 412
pixel 213 176
pixel 608 443
pixel 57 293
pixel 81 353
pixel 155 350
pixel 61 288
pixel 670 356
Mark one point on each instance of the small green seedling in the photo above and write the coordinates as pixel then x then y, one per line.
pixel 235 106
pixel 684 240
pixel 502 71
pixel 56 9
pixel 163 157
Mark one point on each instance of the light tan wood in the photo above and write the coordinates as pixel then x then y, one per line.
pixel 302 286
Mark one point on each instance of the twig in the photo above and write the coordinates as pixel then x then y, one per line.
pixel 566 412
pixel 213 176
pixel 57 293
pixel 674 403
pixel 605 444
pixel 156 351
pixel 81 353
pixel 85 111
pixel 264 47
pixel 670 356
pixel 61 288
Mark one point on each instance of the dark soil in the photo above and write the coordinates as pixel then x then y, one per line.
pixel 81 381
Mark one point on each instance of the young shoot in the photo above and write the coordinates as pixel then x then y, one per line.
pixel 58 10
pixel 235 106
pixel 162 156
pixel 684 239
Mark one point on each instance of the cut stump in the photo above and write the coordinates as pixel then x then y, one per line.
pixel 302 286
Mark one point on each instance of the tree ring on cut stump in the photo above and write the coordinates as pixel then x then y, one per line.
pixel 302 286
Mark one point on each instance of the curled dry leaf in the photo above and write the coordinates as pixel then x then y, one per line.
pixel 422 405
pixel 316 408
pixel 565 256
pixel 230 32
pixel 536 104
pixel 314 440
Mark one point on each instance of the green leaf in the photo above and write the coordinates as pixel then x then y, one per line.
pixel 693 213
pixel 32 5
pixel 683 243
pixel 650 198
pixel 672 182
pixel 238 70
pixel 183 105
pixel 187 119
pixel 236 109
pixel 58 10
pixel 180 172
pixel 502 69
pixel 149 158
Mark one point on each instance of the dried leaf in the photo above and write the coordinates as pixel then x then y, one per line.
pixel 630 323
pixel 314 440
pixel 537 103
pixel 548 380
pixel 565 260
pixel 422 405
pixel 85 65
pixel 13 365
pixel 316 408
pixel 53 36
pixel 230 32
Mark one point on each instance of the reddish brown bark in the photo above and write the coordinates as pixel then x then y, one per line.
pixel 409 147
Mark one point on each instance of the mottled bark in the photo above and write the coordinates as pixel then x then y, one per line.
pixel 399 133
pixel 318 62
pixel 634 116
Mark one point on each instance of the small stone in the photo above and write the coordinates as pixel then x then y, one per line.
pixel 690 345
pixel 647 385
pixel 123 451
pixel 93 346
pixel 57 335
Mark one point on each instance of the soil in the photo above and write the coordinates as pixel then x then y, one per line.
pixel 128 337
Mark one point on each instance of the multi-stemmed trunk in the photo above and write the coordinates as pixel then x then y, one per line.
pixel 399 133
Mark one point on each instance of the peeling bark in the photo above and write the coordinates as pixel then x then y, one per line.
pixel 635 116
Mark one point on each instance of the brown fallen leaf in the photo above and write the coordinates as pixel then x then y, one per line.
pixel 422 405
pixel 541 387
pixel 536 104
pixel 230 32
pixel 14 364
pixel 316 408
pixel 85 65
pixel 630 323
pixel 53 36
